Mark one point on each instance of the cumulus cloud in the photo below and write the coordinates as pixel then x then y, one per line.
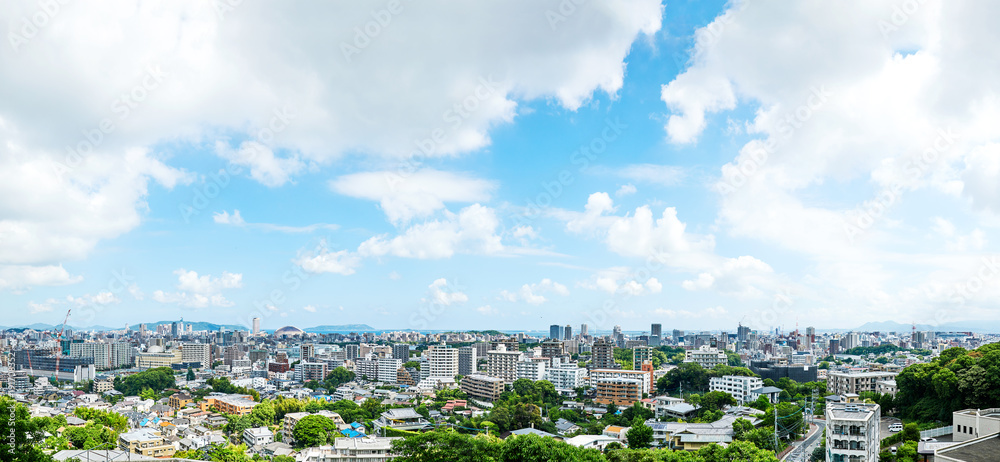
pixel 20 277
pixel 443 293
pixel 472 230
pixel 200 291
pixel 323 260
pixel 735 276
pixel 533 294
pixel 406 195
pixel 622 280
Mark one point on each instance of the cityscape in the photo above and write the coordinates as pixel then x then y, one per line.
pixel 499 231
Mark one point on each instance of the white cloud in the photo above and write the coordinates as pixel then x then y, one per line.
pixel 532 294
pixel 97 301
pixel 443 293
pixel 711 312
pixel 405 195
pixel 323 260
pixel 623 280
pixel 473 230
pixel 309 308
pixel 265 167
pixel 235 219
pixel 395 276
pixel 663 175
pixel 625 190
pixel 200 291
pixel 735 276
pixel 20 277
pixel 487 310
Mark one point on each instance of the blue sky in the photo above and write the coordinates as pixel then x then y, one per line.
pixel 581 165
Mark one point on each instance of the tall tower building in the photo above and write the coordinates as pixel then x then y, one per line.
pixel 467 360
pixel 256 327
pixel 655 334
pixel 603 354
pixel 554 331
pixel 583 330
pixel 568 334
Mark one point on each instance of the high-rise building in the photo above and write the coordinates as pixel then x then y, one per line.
pixel 401 351
pixel 555 331
pixel 552 348
pixel 502 363
pixel 197 352
pixel 174 329
pixel 568 332
pixel 352 351
pixel 443 361
pixel 641 355
pixel 388 369
pixel 583 330
pixel 100 352
pixel 467 360
pixel 655 334
pixel 603 355
pixel 256 326
pixel 307 351
pixel 706 357
pixel 678 336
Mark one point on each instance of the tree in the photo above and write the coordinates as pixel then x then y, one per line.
pixel 715 401
pixel 262 414
pixel 446 446
pixel 314 430
pixel 18 428
pixel 636 410
pixel 911 432
pixel 640 436
pixel 235 425
pixel 156 379
pixel 147 393
pixel 740 428
pixel 190 374
pixel 337 377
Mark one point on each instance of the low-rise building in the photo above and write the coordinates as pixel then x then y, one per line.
pixel 739 387
pixel 482 387
pixel 147 442
pixel 368 449
pixel 706 357
pixel 231 404
pixel 839 383
pixel 257 436
pixel 969 424
pixel 618 390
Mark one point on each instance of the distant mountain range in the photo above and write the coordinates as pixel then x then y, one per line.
pixel 979 327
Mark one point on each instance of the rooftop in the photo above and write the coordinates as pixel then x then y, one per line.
pixel 980 449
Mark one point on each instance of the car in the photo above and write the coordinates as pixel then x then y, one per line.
pixel 896 427
pixel 928 440
pixel 892 449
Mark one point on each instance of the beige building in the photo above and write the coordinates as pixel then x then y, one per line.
pixel 231 404
pixel 147 442
pixel 482 386
pixel 619 390
pixel 644 376
pixel 839 383
pixel 502 364
pixel 165 359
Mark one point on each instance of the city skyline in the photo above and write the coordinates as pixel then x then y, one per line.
pixel 617 164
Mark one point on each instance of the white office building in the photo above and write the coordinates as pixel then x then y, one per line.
pixel 737 386
pixel 442 362
pixel 706 357
pixel 566 378
pixel 532 370
pixel 197 352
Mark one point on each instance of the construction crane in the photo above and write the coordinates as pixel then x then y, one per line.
pixel 55 374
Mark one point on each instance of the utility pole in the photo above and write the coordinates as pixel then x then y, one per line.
pixel 775 429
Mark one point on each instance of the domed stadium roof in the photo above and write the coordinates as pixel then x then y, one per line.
pixel 289 330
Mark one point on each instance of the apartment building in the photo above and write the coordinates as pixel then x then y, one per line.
pixel 552 348
pixel 231 404
pixel 468 358
pixel 103 384
pixel 706 357
pixel 738 387
pixel 482 386
pixel 840 383
pixel 442 362
pixel 197 353
pixel 257 437
pixel 641 355
pixel 401 351
pixel 502 363
pixel 531 369
pixel 852 432
pixel 645 377
pixel 566 378
pixel 179 400
pixel 618 390
pixel 368 449
pixel 147 442
pixel 100 352
pixel 366 368
pixel 603 354
pixel 312 371
pixel 388 369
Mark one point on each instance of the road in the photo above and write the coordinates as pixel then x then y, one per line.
pixel 883 427
pixel 805 448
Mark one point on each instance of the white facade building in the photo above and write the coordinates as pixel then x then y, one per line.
pixel 706 357
pixel 852 432
pixel 737 386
